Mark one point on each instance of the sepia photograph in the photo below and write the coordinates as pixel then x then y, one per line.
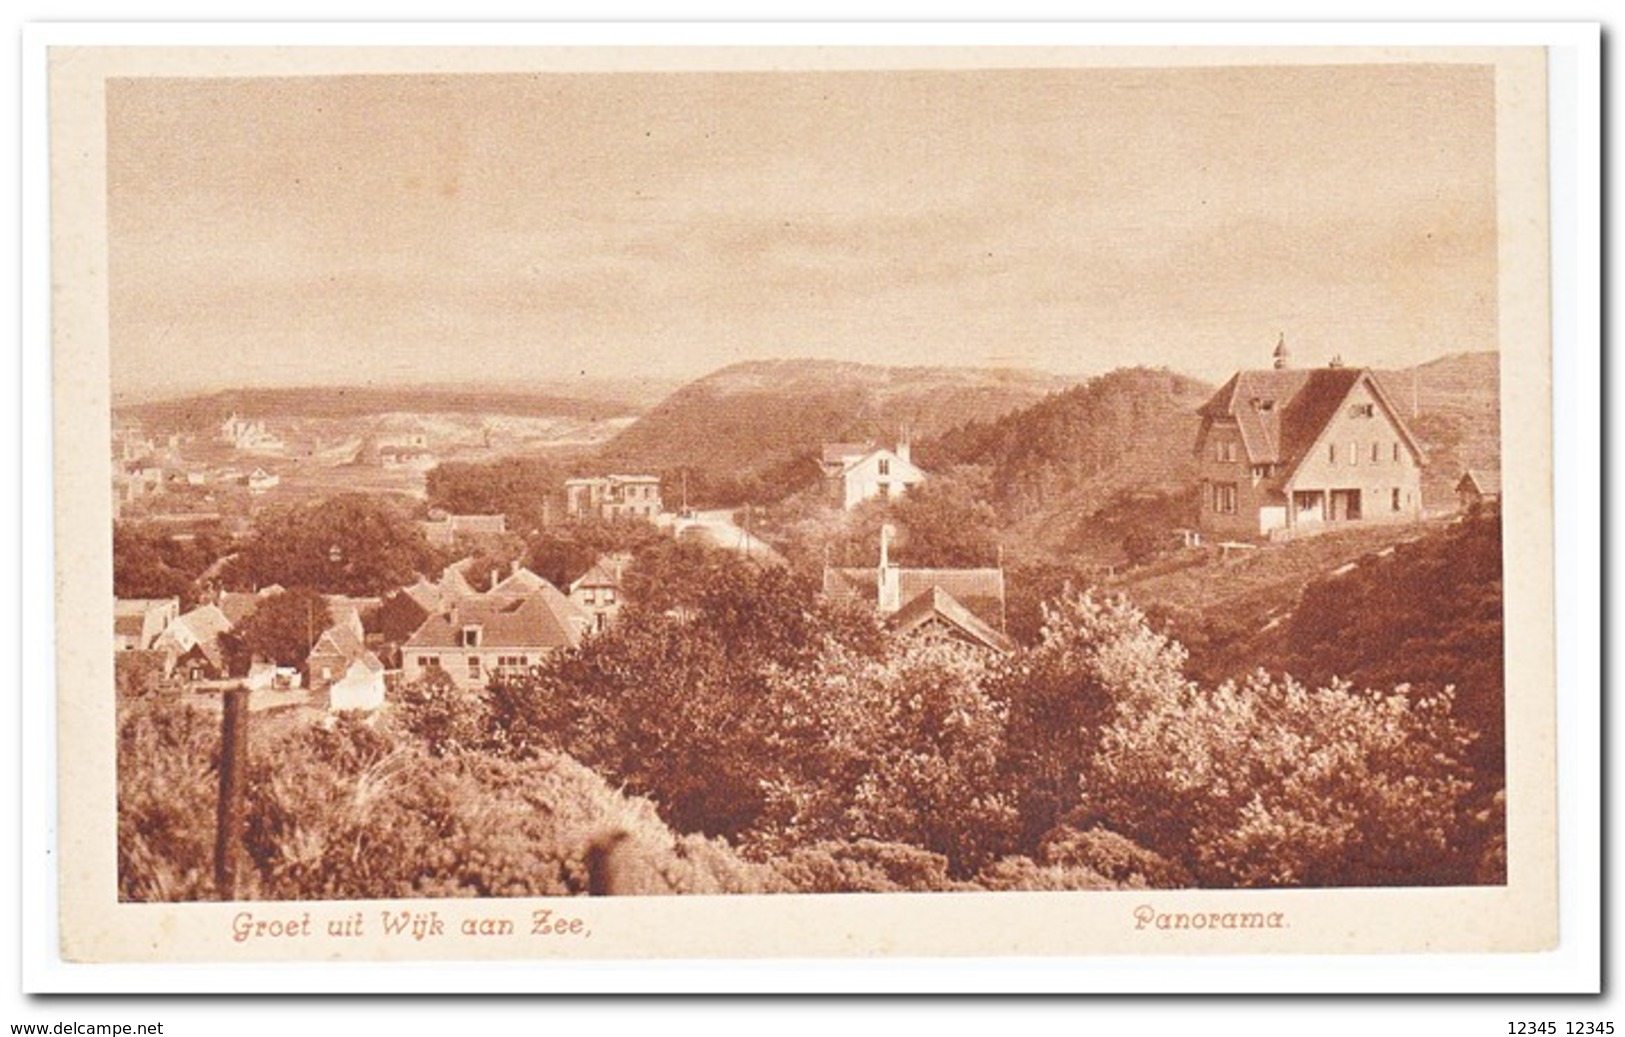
pixel 1070 485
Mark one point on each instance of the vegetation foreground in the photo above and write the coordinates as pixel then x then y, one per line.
pixel 735 733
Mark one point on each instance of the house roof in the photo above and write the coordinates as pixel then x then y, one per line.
pixel 341 640
pixel 1281 413
pixel 844 453
pixel 938 605
pixel 545 619
pixel 1486 481
pixel 604 573
pixel 454 586
pixel 129 624
pixel 979 590
pixel 520 583
pixel 206 622
pixel 425 594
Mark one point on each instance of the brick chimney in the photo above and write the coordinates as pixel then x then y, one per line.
pixel 904 447
pixel 888 581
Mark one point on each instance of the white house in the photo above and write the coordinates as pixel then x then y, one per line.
pixel 361 687
pixel 856 472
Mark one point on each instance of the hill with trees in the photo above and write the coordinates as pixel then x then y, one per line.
pixel 758 412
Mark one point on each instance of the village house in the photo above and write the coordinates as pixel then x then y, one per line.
pixel 1476 486
pixel 191 644
pixel 856 472
pixel 1289 451
pixel 261 481
pixel 479 637
pixel 598 590
pixel 442 530
pixel 611 497
pixel 965 606
pixel 139 622
pixel 341 664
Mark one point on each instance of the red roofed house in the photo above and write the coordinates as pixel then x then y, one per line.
pixel 1290 451
pixel 478 638
pixel 962 605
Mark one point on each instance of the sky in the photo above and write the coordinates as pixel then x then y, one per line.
pixel 531 230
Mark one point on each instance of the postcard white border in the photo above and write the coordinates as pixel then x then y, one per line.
pixel 1102 972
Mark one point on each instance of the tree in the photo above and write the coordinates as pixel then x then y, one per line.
pixel 153 565
pixel 282 628
pixel 1265 782
pixel 673 698
pixel 517 487
pixel 904 748
pixel 349 544
pixel 1092 655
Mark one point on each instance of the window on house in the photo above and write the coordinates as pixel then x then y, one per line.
pixel 1331 453
pixel 1224 497
pixel 429 662
pixel 1396 499
pixel 885 466
pixel 1376 452
pixel 1354 453
pixel 1363 410
pixel 470 637
pixel 473 667
pixel 1396 453
pixel 609 596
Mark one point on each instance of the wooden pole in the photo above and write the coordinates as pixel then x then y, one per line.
pixel 228 834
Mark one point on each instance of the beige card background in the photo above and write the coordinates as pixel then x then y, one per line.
pixel 95 927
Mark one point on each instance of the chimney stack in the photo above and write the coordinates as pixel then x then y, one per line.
pixel 887 580
pixel 1282 357
pixel 904 447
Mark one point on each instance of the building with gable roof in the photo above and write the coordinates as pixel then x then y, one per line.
pixel 191 642
pixel 1476 486
pixel 598 590
pixel 477 639
pixel 139 622
pixel 1289 451
pixel 856 472
pixel 962 605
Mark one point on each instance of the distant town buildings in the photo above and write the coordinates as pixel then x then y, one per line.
pixel 611 497
pixel 856 472
pixel 251 436
pixel 1287 451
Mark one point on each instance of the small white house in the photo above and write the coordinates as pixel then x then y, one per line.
pixel 855 472
pixel 361 687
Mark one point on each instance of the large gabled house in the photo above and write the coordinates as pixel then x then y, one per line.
pixel 477 639
pixel 1289 451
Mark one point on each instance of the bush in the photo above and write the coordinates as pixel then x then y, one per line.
pixel 865 866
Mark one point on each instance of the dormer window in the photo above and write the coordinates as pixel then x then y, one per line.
pixel 470 636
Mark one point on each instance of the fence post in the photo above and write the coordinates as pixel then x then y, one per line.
pixel 228 834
